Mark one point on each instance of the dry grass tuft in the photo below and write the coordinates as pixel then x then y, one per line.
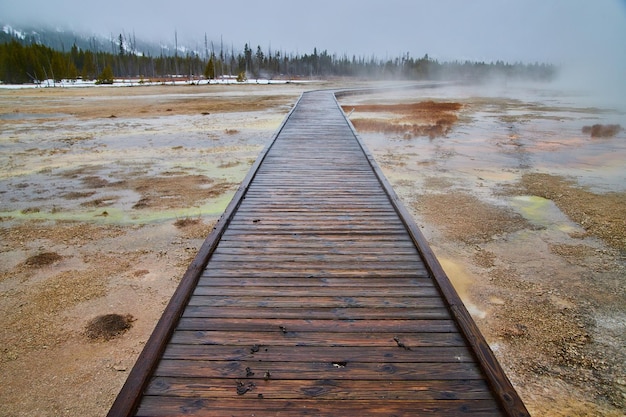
pixel 94 181
pixel 42 259
pixel 186 222
pixel 602 131
pixel 75 195
pixel 30 210
pixel 108 326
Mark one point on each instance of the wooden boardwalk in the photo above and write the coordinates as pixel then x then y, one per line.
pixel 320 298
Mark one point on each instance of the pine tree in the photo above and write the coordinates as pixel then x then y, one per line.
pixel 106 76
pixel 260 57
pixel 209 70
pixel 89 67
pixel 121 42
pixel 72 71
pixel 57 66
pixel 247 57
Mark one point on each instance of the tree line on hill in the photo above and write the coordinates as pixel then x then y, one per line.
pixel 33 63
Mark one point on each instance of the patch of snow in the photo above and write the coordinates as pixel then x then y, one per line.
pixel 125 82
pixel 10 31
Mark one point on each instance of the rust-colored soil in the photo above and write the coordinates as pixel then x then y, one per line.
pixel 428 118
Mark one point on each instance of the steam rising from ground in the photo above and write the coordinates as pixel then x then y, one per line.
pixel 602 82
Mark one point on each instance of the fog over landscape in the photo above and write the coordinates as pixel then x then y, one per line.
pixel 555 31
pixel 585 38
pixel 508 152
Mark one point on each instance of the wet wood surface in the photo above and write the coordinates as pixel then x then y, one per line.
pixel 314 298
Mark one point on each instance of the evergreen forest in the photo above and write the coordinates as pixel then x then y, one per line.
pixel 23 61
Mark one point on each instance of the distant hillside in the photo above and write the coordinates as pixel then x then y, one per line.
pixel 63 40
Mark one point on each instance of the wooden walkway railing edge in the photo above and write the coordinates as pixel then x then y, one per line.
pixel 503 389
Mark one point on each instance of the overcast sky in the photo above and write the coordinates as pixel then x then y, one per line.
pixel 557 31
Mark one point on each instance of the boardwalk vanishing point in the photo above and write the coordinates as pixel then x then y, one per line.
pixel 316 295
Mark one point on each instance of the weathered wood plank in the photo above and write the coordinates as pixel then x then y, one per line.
pixel 260 407
pixel 338 301
pixel 294 327
pixel 287 228
pixel 323 389
pixel 336 354
pixel 322 291
pixel 286 222
pixel 362 232
pixel 313 273
pixel 379 371
pixel 230 248
pixel 320 339
pixel 338 241
pixel 252 282
pixel 427 313
pixel 362 260
pixel 313 264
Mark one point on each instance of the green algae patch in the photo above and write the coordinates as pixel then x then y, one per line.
pixel 543 212
pixel 599 214
pixel 116 216
pixel 533 208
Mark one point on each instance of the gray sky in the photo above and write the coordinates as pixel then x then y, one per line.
pixel 558 31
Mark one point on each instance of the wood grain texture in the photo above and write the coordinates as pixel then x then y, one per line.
pixel 156 406
pixel 316 295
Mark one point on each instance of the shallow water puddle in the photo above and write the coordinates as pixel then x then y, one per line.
pixel 26 116
pixel 462 281
pixel 544 213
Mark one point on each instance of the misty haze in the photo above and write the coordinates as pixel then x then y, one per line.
pixel 126 132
